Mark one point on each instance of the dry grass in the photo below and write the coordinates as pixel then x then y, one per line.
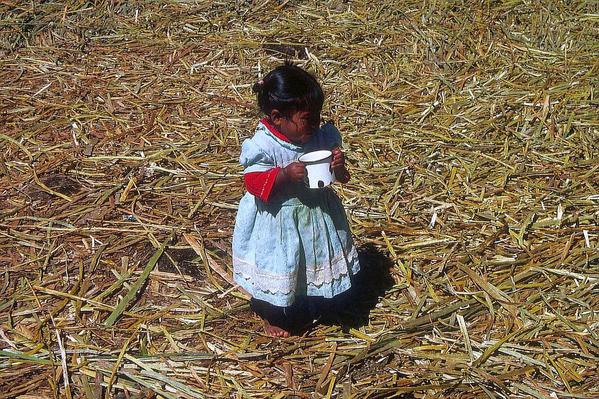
pixel 472 135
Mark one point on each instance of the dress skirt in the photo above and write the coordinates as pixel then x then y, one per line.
pixel 298 244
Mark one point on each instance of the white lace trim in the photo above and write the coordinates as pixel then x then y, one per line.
pixel 316 275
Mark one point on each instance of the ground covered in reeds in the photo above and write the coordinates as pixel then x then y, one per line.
pixel 471 132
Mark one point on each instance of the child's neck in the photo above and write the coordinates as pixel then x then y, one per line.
pixel 273 129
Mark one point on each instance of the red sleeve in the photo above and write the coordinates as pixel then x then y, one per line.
pixel 260 184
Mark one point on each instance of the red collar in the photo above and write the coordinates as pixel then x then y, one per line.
pixel 274 130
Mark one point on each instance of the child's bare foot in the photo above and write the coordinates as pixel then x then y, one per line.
pixel 275 331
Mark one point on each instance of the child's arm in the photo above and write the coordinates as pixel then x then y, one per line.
pixel 264 184
pixel 261 184
pixel 338 165
pixel 293 173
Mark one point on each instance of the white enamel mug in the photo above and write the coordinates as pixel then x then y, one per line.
pixel 318 168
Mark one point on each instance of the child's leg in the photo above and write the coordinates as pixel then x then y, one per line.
pixel 281 321
pixel 276 322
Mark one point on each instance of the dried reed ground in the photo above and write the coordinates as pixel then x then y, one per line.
pixel 471 129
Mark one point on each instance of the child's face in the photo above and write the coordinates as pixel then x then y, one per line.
pixel 299 126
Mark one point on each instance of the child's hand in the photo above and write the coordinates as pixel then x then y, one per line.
pixel 338 165
pixel 338 159
pixel 295 172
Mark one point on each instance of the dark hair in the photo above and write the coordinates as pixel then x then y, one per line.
pixel 289 88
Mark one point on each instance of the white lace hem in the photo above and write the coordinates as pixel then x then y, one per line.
pixel 317 275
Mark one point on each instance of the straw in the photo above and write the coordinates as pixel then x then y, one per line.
pixel 471 133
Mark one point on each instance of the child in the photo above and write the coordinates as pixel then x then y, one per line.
pixel 290 241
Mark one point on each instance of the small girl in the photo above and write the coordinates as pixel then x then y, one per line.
pixel 290 241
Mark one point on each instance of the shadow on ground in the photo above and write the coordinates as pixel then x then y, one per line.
pixel 352 308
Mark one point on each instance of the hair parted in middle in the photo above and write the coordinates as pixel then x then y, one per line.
pixel 289 88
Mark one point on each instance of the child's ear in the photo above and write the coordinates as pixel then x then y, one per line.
pixel 275 117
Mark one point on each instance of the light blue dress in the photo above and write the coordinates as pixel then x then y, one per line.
pixel 299 242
